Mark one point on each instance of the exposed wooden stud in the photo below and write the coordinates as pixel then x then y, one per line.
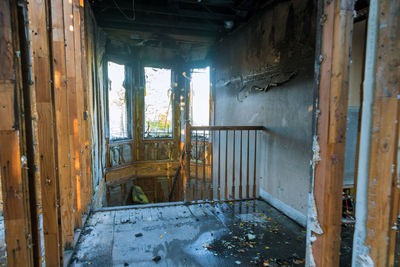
pixel 41 93
pixel 383 188
pixel 14 208
pixel 13 166
pixel 62 122
pixel 81 182
pixel 20 27
pixel 86 145
pixel 332 100
pixel 70 51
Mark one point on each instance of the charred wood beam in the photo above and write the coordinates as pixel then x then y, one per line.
pixel 155 29
pixel 219 3
pixel 160 22
pixel 141 18
pixel 149 9
pixel 139 36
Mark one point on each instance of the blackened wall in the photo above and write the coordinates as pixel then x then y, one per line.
pixel 276 47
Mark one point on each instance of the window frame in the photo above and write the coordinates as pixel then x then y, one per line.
pixel 200 136
pixel 128 85
pixel 172 137
pixel 191 111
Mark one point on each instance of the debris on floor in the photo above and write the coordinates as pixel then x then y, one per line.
pixel 244 233
pixel 156 258
pixel 254 237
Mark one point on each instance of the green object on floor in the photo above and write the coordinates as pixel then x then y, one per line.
pixel 138 196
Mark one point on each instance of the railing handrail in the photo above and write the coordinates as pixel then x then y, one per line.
pixel 215 131
pixel 210 128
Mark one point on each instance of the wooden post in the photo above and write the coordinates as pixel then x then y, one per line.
pixel 331 109
pixel 44 140
pixel 13 168
pixel 80 159
pixel 60 83
pixel 86 144
pixel 375 238
pixel 70 54
pixel 188 149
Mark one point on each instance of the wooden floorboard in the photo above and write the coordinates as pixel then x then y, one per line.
pixel 191 235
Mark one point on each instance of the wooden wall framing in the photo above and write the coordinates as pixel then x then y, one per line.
pixel 62 96
pixel 336 20
pixel 384 185
pixel 13 162
pixel 48 143
pixel 375 234
pixel 378 202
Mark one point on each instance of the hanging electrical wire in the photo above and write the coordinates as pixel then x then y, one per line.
pixel 123 13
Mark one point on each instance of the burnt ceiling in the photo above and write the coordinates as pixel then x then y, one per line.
pixel 197 21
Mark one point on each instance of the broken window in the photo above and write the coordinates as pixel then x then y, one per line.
pixel 158 103
pixel 200 85
pixel 117 102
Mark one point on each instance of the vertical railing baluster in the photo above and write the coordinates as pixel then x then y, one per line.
pixel 226 165
pixel 248 155
pixel 196 166
pixel 203 186
pixel 108 194
pixel 219 165
pixel 122 194
pixel 211 162
pixel 240 168
pixel 188 153
pixel 255 165
pixel 233 165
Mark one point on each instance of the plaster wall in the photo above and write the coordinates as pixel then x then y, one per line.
pixel 274 45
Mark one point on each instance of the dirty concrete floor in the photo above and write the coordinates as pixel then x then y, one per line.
pixel 217 234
